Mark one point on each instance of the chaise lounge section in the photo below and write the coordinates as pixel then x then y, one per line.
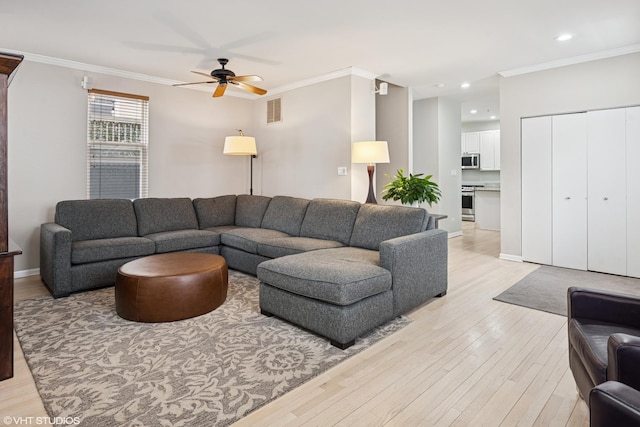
pixel 335 267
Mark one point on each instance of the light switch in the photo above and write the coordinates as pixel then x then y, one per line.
pixel 342 170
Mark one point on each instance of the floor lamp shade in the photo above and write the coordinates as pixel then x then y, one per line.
pixel 241 145
pixel 370 152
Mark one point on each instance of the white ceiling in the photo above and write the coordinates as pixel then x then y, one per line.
pixel 414 43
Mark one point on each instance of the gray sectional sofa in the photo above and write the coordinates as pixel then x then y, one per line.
pixel 336 267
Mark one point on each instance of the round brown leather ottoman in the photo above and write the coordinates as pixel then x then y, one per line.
pixel 168 287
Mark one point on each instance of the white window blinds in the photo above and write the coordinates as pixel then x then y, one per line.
pixel 117 145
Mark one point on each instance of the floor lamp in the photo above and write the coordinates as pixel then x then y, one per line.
pixel 240 145
pixel 370 152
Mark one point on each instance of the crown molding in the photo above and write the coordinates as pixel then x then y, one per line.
pixel 91 68
pixel 572 61
pixel 43 59
pixel 349 71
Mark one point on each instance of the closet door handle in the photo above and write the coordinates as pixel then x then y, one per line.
pixel 605 199
pixel 567 198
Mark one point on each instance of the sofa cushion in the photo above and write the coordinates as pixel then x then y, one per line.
pixel 327 276
pixel 590 338
pixel 172 241
pixel 330 219
pixel 215 211
pixel 284 246
pixel 86 251
pixel 250 210
pixel 158 215
pixel 285 214
pixel 376 223
pixel 247 239
pixel 97 219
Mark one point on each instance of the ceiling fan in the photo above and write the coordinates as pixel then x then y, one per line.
pixel 224 77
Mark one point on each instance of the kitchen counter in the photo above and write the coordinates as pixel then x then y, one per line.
pixel 487 208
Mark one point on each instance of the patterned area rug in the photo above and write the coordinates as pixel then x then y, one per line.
pixel 210 370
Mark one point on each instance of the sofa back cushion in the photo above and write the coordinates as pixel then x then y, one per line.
pixel 285 214
pixel 330 219
pixel 97 219
pixel 377 223
pixel 158 215
pixel 250 210
pixel 215 211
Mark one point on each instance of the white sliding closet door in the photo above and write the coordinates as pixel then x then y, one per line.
pixel 569 195
pixel 536 190
pixel 607 180
pixel 633 192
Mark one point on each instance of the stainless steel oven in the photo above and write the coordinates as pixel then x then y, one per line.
pixel 468 204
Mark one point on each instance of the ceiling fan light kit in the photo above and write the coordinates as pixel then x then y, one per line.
pixel 225 77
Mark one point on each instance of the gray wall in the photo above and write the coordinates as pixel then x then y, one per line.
pixel 593 85
pixel 300 156
pixel 48 136
pixel 436 151
pixel 393 125
pixel 363 128
pixel 480 126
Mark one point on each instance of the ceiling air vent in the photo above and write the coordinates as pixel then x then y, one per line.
pixel 274 110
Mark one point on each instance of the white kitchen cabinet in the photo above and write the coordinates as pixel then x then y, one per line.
pixel 490 150
pixel 633 193
pixel 537 213
pixel 569 190
pixel 470 142
pixel 594 203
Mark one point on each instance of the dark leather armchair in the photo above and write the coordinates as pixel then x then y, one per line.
pixel 604 354
pixel 614 404
pixel 604 338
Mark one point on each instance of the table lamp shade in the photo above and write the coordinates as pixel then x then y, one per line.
pixel 370 152
pixel 240 146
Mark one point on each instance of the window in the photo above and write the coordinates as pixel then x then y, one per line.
pixel 117 145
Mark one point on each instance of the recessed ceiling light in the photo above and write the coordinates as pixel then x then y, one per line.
pixel 493 117
pixel 465 85
pixel 563 37
pixel 473 111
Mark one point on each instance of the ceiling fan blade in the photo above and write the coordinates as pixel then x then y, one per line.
pixel 205 74
pixel 220 90
pixel 194 83
pixel 246 78
pixel 250 88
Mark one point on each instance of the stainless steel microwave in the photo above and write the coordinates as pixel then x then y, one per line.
pixel 471 161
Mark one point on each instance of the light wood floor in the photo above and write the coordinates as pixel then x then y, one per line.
pixel 466 360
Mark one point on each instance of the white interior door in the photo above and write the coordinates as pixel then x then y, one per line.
pixel 536 190
pixel 607 179
pixel 569 199
pixel 633 192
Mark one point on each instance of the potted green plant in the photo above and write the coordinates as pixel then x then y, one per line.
pixel 412 189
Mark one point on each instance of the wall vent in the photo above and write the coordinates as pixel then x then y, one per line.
pixel 274 110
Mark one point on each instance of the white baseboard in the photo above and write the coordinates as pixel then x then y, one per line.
pixel 509 257
pixel 26 273
pixel 455 234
